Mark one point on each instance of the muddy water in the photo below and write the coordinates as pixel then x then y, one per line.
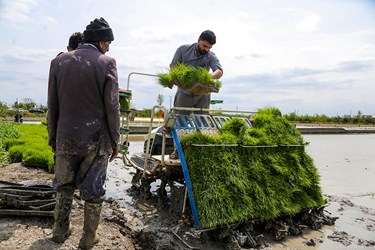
pixel 346 164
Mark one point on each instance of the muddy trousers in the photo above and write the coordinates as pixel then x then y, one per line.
pixel 92 211
pixel 62 228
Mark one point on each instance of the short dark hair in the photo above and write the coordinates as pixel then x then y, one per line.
pixel 75 39
pixel 208 36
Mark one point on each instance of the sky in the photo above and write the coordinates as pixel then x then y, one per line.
pixel 304 56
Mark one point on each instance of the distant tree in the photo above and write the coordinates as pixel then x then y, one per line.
pixel 42 107
pixel 160 99
pixel 291 117
pixel 28 103
pixel 3 109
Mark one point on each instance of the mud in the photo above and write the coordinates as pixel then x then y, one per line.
pixel 130 221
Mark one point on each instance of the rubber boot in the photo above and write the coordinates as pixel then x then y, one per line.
pixel 91 222
pixel 62 228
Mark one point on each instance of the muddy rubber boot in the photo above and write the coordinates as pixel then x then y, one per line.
pixel 62 228
pixel 91 222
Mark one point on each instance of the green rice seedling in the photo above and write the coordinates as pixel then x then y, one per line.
pixel 37 157
pixel 124 104
pixel 10 142
pixel 186 76
pixel 8 131
pixel 31 147
pixel 238 183
pixel 15 153
pixel 165 80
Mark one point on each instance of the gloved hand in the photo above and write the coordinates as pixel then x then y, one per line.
pixel 115 151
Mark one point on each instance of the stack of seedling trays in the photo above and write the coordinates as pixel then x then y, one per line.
pixel 194 80
pixel 26 200
pixel 125 96
pixel 244 174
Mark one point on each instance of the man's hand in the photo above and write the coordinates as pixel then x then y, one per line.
pixel 115 151
pixel 166 130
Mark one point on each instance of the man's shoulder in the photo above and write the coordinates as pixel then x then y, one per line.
pixel 106 58
pixel 186 46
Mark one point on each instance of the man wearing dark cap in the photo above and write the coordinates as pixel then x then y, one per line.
pixel 198 54
pixel 83 128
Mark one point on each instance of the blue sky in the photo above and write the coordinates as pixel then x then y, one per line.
pixel 309 57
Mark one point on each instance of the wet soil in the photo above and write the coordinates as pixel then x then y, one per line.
pixel 130 221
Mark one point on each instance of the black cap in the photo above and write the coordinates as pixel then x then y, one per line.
pixel 98 30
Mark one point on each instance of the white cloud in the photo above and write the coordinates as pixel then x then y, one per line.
pixel 17 12
pixel 309 23
pixel 293 54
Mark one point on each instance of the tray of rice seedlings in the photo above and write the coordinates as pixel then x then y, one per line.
pixel 268 174
pixel 31 147
pixel 195 80
pixel 124 99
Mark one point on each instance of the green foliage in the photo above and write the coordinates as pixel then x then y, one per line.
pixel 252 181
pixel 31 147
pixel 26 104
pixel 346 119
pixel 185 76
pixel 8 131
pixel 165 79
pixel 124 103
pixel 3 109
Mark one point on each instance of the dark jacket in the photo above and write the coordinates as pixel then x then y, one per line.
pixel 83 102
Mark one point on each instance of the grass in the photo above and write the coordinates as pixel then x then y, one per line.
pixel 8 130
pixel 237 184
pixel 31 146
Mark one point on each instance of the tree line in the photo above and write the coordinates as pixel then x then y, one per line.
pixel 359 118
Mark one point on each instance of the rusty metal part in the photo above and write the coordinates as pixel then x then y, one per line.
pixel 175 233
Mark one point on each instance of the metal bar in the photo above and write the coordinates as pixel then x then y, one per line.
pixel 216 110
pixel 147 155
pixel 187 179
pixel 260 146
pixel 175 232
pixel 214 145
pixel 137 73
pixel 148 141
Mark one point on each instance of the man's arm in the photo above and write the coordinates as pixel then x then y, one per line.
pixel 215 66
pixel 112 106
pixel 53 106
pixel 217 74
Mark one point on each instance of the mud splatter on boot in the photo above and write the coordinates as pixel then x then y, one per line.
pixel 62 228
pixel 91 222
